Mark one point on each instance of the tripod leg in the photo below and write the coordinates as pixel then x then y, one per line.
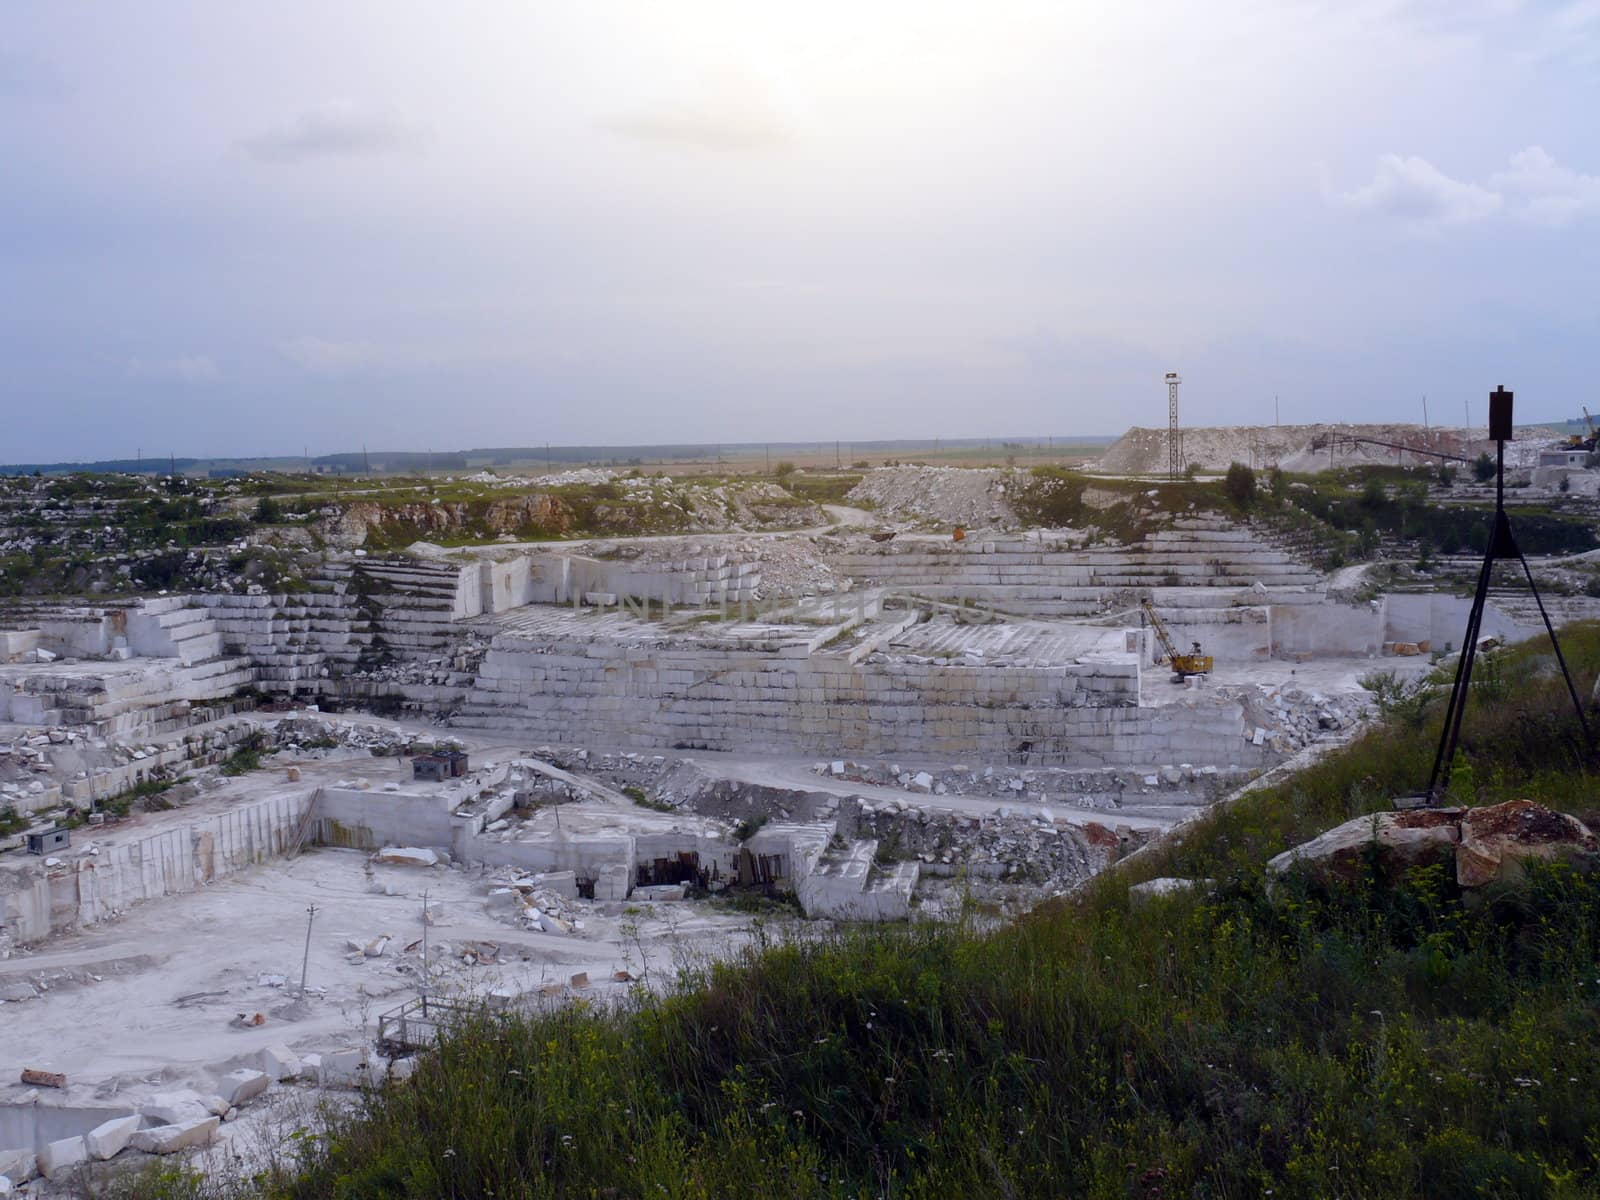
pixel 1458 690
pixel 1577 705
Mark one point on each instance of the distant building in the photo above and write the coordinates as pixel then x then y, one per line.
pixel 439 766
pixel 1563 458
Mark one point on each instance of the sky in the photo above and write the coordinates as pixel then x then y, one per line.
pixel 233 229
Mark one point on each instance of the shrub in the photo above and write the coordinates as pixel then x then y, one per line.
pixel 783 470
pixel 1240 484
pixel 1447 475
pixel 268 511
pixel 1483 468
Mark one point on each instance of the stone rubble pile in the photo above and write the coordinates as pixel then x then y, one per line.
pixel 972 497
pixel 544 902
pixel 585 476
pixel 786 566
pixel 1288 718
pixel 1100 790
pixel 305 735
pixel 619 769
pixel 40 767
pixel 1022 846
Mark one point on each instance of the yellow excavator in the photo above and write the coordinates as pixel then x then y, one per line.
pixel 1578 441
pixel 1183 665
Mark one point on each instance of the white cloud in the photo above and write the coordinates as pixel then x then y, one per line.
pixel 1544 192
pixel 726 110
pixel 324 356
pixel 337 130
pixel 186 368
pixel 1413 190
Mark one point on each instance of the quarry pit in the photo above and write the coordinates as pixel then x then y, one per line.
pixel 245 827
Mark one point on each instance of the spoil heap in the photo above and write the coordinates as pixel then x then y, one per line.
pixel 969 496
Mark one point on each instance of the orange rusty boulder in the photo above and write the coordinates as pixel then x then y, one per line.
pixel 1483 844
pixel 1498 841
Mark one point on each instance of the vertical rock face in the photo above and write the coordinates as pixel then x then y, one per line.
pixel 1483 844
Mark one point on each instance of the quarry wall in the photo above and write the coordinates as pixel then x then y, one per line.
pixel 794 702
pixel 37 900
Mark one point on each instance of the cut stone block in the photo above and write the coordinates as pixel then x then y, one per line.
pixel 107 1140
pixel 19 1166
pixel 659 891
pixel 1166 885
pixel 169 1139
pixel 175 1108
pixel 344 1067
pixel 237 1087
pixel 278 1063
pixel 58 1158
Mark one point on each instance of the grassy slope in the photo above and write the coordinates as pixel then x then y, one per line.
pixel 1372 1042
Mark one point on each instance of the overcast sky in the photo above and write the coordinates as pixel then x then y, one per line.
pixel 239 228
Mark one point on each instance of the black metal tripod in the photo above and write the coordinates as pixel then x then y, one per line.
pixel 1502 544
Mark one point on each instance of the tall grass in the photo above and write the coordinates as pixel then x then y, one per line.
pixel 1381 1039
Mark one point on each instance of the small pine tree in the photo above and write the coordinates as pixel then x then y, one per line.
pixel 1483 468
pixel 1240 484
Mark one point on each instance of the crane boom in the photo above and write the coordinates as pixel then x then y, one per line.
pixel 1183 665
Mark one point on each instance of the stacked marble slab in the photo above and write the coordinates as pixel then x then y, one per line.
pixel 611 679
pixel 1026 576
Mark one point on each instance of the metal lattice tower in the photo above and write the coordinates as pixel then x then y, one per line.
pixel 1174 435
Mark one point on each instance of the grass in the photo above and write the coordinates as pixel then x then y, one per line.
pixel 1378 1039
pixel 1337 516
pixel 245 759
pixel 644 800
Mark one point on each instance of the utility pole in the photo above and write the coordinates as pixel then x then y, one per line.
pixel 366 462
pixel 1274 408
pixel 769 458
pixel 1174 437
pixel 836 456
pixel 424 944
pixel 305 959
pixel 1425 412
